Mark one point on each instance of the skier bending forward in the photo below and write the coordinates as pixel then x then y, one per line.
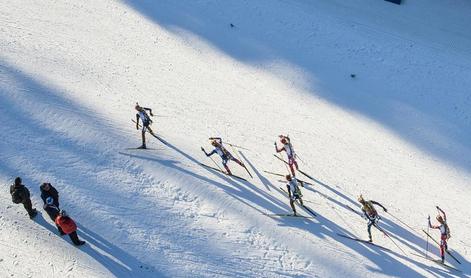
pixel 223 153
pixel 370 213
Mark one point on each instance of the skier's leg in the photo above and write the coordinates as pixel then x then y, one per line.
pixel 291 203
pixel 224 163
pixel 143 137
pixel 370 223
pixel 29 207
pixel 295 164
pixel 150 131
pixel 237 161
pixel 442 250
pixel 301 201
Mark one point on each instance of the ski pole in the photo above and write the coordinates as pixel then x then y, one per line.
pixel 232 145
pixel 405 224
pixel 426 246
pixel 386 234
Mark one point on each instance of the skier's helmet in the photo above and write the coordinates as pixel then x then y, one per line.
pixel 215 143
pixel 283 141
pixel 360 199
pixel 18 181
pixel 440 218
pixel 138 107
pixel 49 200
pixel 288 177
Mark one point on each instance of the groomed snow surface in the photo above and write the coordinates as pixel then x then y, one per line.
pixel 399 132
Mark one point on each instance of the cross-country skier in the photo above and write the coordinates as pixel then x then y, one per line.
pixel 294 192
pixel 20 195
pixel 146 122
pixel 288 148
pixel 223 153
pixel 370 213
pixel 444 231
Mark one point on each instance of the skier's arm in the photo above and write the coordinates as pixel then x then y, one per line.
pixel 150 111
pixel 430 224
pixel 289 190
pixel 378 204
pixel 211 153
pixel 278 150
pixel 442 212
pixel 137 120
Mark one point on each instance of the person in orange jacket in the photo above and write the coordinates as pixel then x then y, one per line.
pixel 68 226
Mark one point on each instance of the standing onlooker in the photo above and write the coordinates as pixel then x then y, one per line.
pixel 47 190
pixel 20 195
pixel 69 227
pixel 53 212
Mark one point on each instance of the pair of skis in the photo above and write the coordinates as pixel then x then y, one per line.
pixel 221 171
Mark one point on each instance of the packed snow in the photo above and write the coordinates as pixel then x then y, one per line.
pixel 374 96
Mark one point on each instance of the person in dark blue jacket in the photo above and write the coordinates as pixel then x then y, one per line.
pixel 47 190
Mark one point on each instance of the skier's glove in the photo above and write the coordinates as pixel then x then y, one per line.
pixel 202 149
pixel 385 210
pixel 137 127
pixel 428 218
pixel 437 207
pixel 152 115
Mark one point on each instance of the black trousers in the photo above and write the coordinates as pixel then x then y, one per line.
pixel 74 237
pixel 28 206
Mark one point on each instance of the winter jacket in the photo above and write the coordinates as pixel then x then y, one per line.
pixel 21 191
pixel 52 192
pixel 52 211
pixel 66 224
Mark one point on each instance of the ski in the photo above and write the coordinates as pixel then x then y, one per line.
pixel 275 174
pixel 364 241
pixel 216 169
pixel 236 146
pixel 287 215
pixel 446 250
pixel 141 149
pixel 299 204
pixel 438 261
pixel 281 175
pixel 302 172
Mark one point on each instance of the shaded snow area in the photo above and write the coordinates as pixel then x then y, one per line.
pixel 374 96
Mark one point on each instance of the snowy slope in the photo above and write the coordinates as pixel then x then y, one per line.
pixel 399 132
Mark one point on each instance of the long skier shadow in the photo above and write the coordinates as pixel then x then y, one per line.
pixel 240 190
pixel 264 180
